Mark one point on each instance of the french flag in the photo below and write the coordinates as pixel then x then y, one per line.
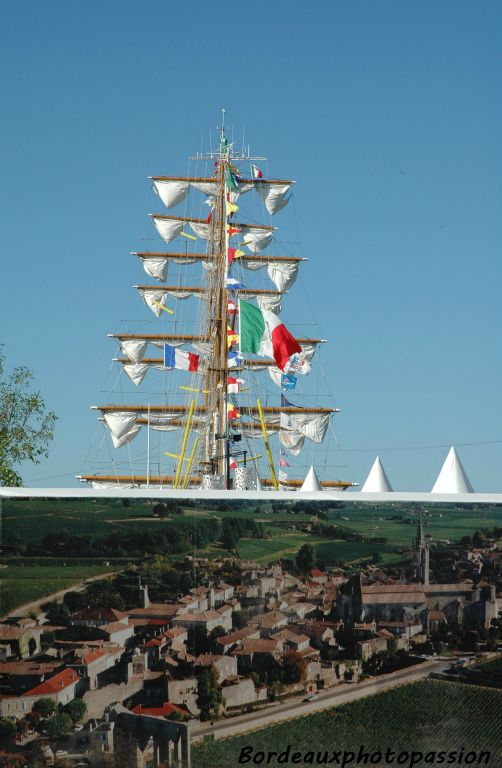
pixel 175 358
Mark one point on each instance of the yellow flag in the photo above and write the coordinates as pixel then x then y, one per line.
pixel 232 208
pixel 232 337
pixel 238 254
pixel 161 306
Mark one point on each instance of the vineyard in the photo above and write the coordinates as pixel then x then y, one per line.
pixel 425 716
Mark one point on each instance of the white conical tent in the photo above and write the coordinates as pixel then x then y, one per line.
pixel 452 478
pixel 311 482
pixel 377 481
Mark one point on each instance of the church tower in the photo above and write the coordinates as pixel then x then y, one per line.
pixel 144 600
pixel 421 554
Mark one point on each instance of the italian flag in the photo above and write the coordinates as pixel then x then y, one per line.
pixel 262 332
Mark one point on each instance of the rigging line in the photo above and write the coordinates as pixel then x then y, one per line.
pixel 427 447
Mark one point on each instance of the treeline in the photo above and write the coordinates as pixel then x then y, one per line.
pixel 479 538
pixel 235 528
pixel 176 538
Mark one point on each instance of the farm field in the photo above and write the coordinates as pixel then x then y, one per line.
pixel 425 716
pixel 23 584
pixel 442 522
pixel 31 520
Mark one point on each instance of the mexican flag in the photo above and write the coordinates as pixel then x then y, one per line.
pixel 262 332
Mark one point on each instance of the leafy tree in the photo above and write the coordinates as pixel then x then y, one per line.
pixel 197 641
pixel 293 668
pixel 217 632
pixel 209 696
pixel 306 558
pixel 74 601
pixel 240 618
pixel 58 725
pixel 26 426
pixel 45 707
pixel 103 594
pixel 7 731
pixel 58 614
pixel 76 709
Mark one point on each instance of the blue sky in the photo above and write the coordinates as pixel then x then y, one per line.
pixel 387 114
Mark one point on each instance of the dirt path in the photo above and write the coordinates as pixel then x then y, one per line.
pixel 35 605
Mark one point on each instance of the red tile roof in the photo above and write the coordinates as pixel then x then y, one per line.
pixel 164 711
pixel 56 684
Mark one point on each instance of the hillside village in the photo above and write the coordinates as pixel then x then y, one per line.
pixel 246 636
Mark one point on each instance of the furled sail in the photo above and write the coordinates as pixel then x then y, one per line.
pixel 171 192
pixel 122 426
pixel 134 349
pixel 168 228
pixel 135 371
pixel 273 195
pixel 154 299
pixel 295 428
pixel 155 266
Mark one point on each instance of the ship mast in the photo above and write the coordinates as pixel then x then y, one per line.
pixel 212 413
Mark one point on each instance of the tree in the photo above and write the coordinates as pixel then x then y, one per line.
pixel 306 558
pixel 74 601
pixel 7 731
pixel 76 709
pixel 209 696
pixel 58 725
pixel 58 614
pixel 45 706
pixel 26 426
pixel 214 635
pixel 293 668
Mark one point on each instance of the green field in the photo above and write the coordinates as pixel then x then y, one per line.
pixel 425 716
pixel 20 585
pixel 31 519
pixel 441 522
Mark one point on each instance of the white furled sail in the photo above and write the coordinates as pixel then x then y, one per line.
pixel 171 192
pixel 168 229
pixel 201 229
pixel 296 427
pixel 134 349
pixel 122 426
pixel 273 195
pixel 135 371
pixel 156 267
pixel 283 274
pixel 206 187
pixel 257 241
pixel 155 300
pixel 272 303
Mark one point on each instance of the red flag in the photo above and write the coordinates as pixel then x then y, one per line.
pixel 232 231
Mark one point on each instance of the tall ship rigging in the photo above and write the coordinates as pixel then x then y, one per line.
pixel 218 425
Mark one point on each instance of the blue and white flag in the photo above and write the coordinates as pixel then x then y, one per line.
pixel 234 359
pixel 233 284
pixel 288 381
